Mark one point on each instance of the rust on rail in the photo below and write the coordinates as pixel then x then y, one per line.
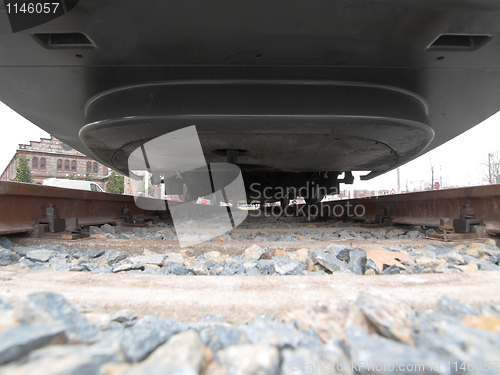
pixel 21 205
pixel 427 208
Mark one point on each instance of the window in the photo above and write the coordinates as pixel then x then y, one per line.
pixel 73 166
pixel 35 163
pixel 95 168
pixel 42 164
pixel 89 167
pixel 66 165
pixel 59 165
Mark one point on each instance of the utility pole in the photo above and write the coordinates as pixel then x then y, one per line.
pixel 432 177
pixel 489 166
pixel 399 182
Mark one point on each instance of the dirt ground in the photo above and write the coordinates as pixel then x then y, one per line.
pixel 239 299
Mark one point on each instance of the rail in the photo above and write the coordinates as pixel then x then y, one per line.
pixel 21 205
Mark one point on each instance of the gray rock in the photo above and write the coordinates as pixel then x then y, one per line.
pixel 254 271
pixel 447 336
pixel 250 360
pixel 160 368
pixel 357 262
pixel 175 257
pixel 335 249
pixel 40 255
pixel 415 269
pixel 267 330
pixel 5 305
pixel 145 336
pixel 395 233
pixel 344 255
pixel 393 270
pixel 218 336
pixel 46 307
pixel 371 265
pixel 156 259
pixel 388 317
pixel 253 252
pixel 438 250
pixel 8 257
pixel 413 234
pixel 79 268
pixel 233 268
pixel 175 268
pixel 57 248
pixel 8 244
pixel 371 352
pixel 184 353
pixel 113 256
pixel 140 232
pixel 346 235
pixel 330 360
pixel 212 264
pixel 59 264
pixel 470 260
pixel 487 266
pixel 453 307
pixel 26 263
pixel 454 258
pixel 95 230
pixel 98 353
pixel 330 262
pixel 92 254
pixel 266 267
pixel 428 232
pixel 123 316
pixel 286 266
pixel 74 364
pixel 137 344
pixel 91 265
pixel 106 228
pixel 155 236
pixel 495 259
pixel 128 267
pixel 19 340
pixel 250 264
pixel 446 268
pixel 199 268
pixel 314 254
pixel 103 269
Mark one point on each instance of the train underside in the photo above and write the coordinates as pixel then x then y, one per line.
pixel 294 93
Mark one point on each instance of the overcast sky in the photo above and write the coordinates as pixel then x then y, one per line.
pixel 461 161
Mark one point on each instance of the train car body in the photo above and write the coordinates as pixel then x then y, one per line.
pixel 291 91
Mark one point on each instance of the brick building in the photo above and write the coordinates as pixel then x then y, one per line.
pixel 52 158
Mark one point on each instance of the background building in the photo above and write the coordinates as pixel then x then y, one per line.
pixel 53 158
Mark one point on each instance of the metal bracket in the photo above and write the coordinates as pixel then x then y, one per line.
pixel 467 218
pixel 52 219
pixel 380 219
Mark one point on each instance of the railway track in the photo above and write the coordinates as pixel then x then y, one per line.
pixel 474 209
pixel 396 278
